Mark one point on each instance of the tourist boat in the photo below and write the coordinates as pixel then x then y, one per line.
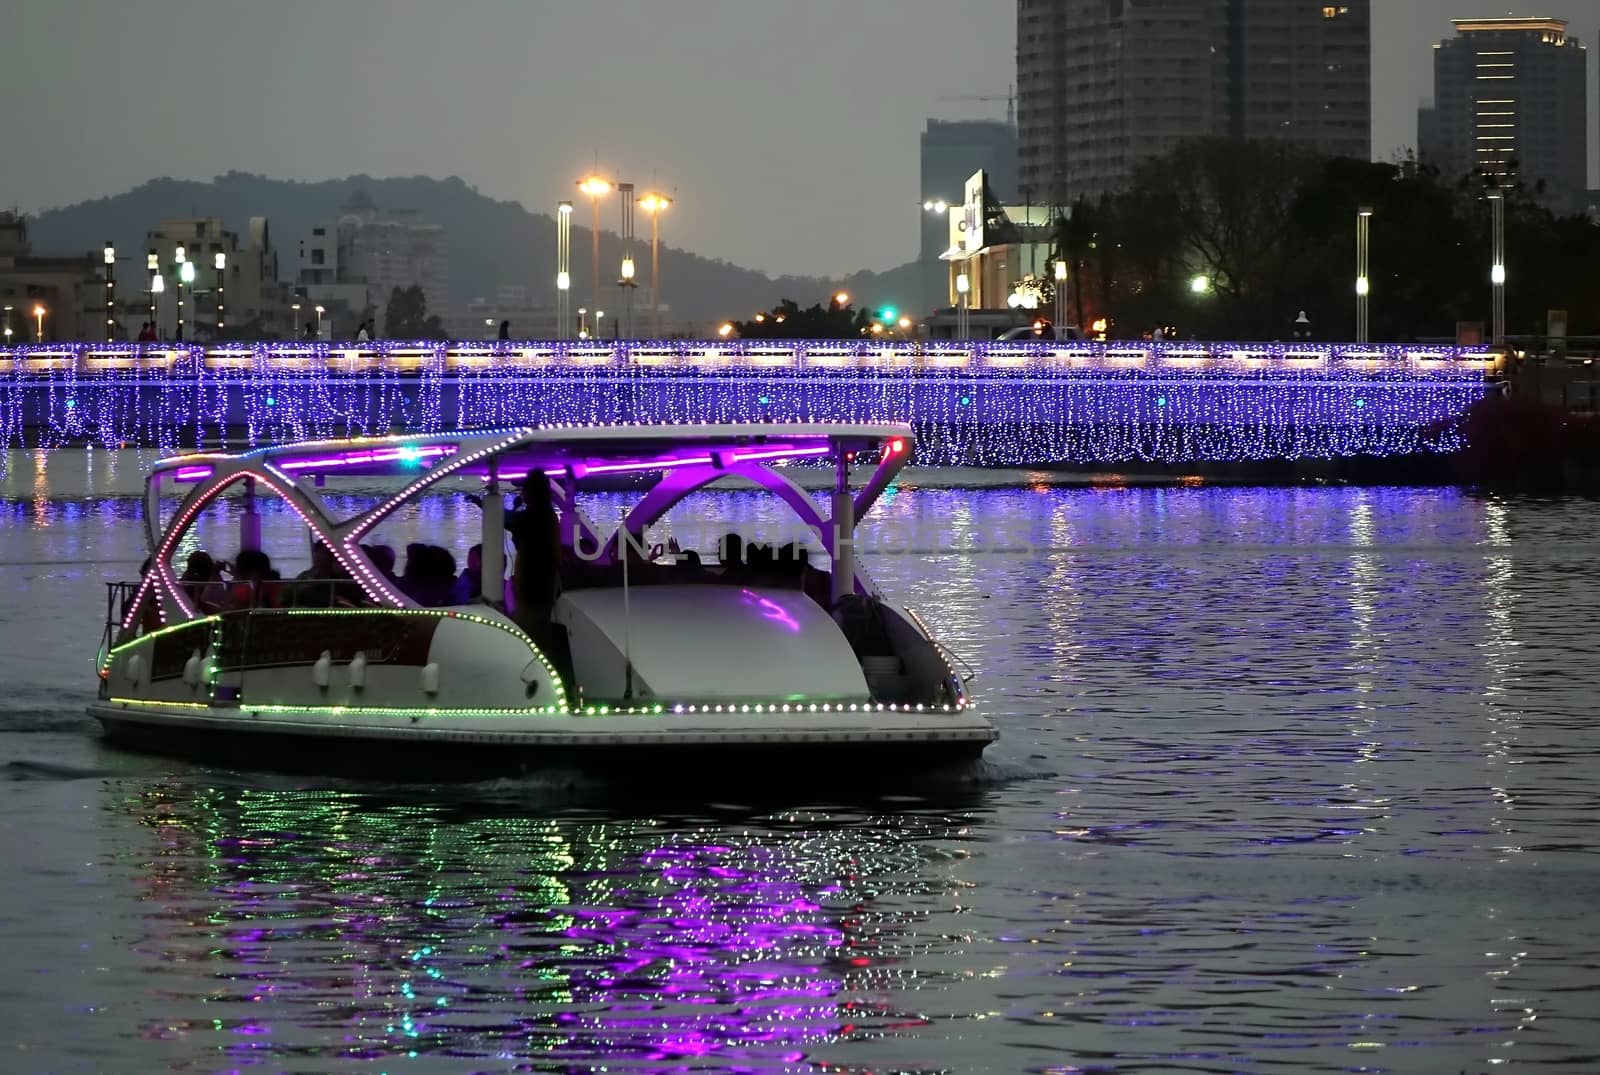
pixel 649 661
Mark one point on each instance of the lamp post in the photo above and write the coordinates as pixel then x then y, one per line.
pixel 596 188
pixel 1061 291
pixel 563 266
pixel 8 326
pixel 599 329
pixel 655 205
pixel 583 322
pixel 320 311
pixel 157 285
pixel 111 273
pixel 221 262
pixel 295 308
pixel 1497 269
pixel 626 282
pixel 152 265
pixel 38 317
pixel 1363 281
pixel 185 276
pixel 963 286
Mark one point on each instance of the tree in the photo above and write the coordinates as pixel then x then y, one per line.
pixel 406 316
pixel 787 321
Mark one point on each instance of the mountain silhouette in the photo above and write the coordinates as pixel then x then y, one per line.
pixel 489 243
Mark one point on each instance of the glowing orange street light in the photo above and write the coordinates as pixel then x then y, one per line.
pixel 38 317
pixel 596 188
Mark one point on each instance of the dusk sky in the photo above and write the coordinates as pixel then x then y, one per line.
pixel 787 131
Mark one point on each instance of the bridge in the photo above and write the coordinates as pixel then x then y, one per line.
pixel 990 403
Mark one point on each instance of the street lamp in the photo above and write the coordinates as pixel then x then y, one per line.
pixel 320 311
pixel 8 326
pixel 157 286
pixel 1200 284
pixel 38 317
pixel 563 266
pixel 629 285
pixel 152 265
pixel 185 276
pixel 1363 279
pixel 599 329
pixel 655 205
pixel 596 188
pixel 221 262
pixel 963 286
pixel 295 306
pixel 1497 268
pixel 111 272
pixel 626 282
pixel 841 299
pixel 1061 290
pixel 583 322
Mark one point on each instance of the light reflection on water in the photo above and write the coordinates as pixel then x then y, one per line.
pixel 1294 779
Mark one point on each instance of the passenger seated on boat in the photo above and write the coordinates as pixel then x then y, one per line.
pixel 255 583
pixel 325 584
pixel 861 620
pixel 382 557
pixel 150 614
pixel 730 553
pixel 430 575
pixel 469 586
pixel 202 581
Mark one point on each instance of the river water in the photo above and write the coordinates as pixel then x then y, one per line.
pixel 1297 780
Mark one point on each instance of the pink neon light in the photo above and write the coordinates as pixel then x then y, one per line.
pixel 192 474
pixel 771 610
pixel 779 453
pixel 380 455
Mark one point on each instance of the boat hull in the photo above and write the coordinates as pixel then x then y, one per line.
pixel 810 754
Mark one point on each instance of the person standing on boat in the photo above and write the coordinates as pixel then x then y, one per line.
pixel 536 533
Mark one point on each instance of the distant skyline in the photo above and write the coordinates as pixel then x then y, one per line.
pixel 788 133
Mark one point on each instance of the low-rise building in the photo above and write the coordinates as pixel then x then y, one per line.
pixel 47 299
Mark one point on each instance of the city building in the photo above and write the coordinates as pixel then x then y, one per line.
pixel 951 151
pixel 386 249
pixel 252 301
pixel 49 298
pixel 999 253
pixel 1105 84
pixel 1511 97
pixel 321 278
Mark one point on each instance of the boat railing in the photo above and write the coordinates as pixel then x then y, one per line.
pixel 119 602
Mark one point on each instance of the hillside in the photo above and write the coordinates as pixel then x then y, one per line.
pixel 489 242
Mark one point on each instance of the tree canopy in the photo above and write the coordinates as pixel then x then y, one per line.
pixel 406 316
pixel 787 321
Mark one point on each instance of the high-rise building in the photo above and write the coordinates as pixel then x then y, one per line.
pixel 1105 84
pixel 386 249
pixel 1512 102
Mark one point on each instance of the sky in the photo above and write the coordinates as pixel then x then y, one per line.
pixel 787 130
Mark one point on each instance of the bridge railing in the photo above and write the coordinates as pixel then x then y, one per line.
pixel 428 357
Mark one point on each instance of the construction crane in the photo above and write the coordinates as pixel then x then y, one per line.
pixel 1009 97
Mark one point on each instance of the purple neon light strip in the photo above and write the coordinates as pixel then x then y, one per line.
pixel 381 455
pixel 192 474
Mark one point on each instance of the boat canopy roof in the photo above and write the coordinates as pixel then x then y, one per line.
pixel 559 450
